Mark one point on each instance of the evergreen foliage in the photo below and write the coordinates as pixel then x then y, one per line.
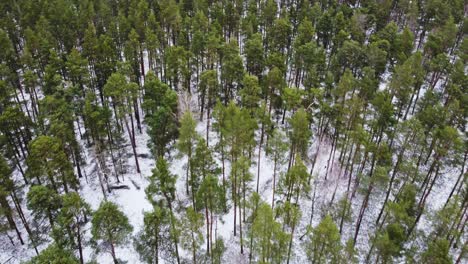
pixel 259 130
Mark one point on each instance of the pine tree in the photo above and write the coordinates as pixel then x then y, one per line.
pixel 44 203
pixel 176 63
pixel 123 96
pixel 152 241
pixel 208 90
pixel 211 195
pixel 6 187
pixel 77 70
pixel 61 126
pixel 192 237
pixel 294 183
pixel 232 70
pixel 277 148
pixel 160 105
pixel 299 135
pixel 71 220
pixel 250 93
pixel 218 251
pixel 324 242
pixel 240 177
pixel 162 183
pixel 269 240
pixel 437 252
pixel 391 240
pixel 254 55
pixel 48 164
pixel 291 216
pixel 16 128
pixel 53 254
pixel 110 228
pixel 275 84
pixel 185 144
pixel 98 122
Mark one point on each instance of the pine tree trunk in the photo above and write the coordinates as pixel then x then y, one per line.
pixel 194 251
pixel 99 173
pixel 366 199
pixel 462 254
pixel 23 220
pixel 315 160
pixel 461 220
pixel 111 143
pixel 259 156
pixel 460 229
pixel 392 179
pixel 77 164
pixel 201 99
pixel 80 248
pixel 291 242
pixel 176 240
pixel 142 63
pixel 291 154
pixel 156 257
pixel 187 180
pixel 15 145
pixel 113 253
pixel 133 146
pixel 208 126
pixel 207 230
pixel 8 214
pixel 358 174
pixel 462 172
pixel 20 168
pixel 422 202
pixel 234 198
pixel 274 183
pixel 211 234
pixel 361 213
pixel 137 113
pixel 332 151
pixel 240 230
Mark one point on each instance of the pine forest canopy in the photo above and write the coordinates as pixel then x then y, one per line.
pixel 219 131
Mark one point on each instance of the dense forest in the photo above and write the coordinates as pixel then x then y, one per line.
pixel 233 131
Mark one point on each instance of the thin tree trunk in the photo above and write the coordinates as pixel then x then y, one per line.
pixel 207 230
pixel 194 252
pixel 422 203
pixel 176 241
pixel 259 157
pixel 207 126
pixel 113 253
pixel 234 198
pixel 315 160
pixel 274 184
pixel 137 114
pixel 392 179
pixel 80 248
pixel 361 213
pixel 291 242
pixel 462 172
pixel 23 220
pixel 11 222
pixel 240 230
pixel 133 147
